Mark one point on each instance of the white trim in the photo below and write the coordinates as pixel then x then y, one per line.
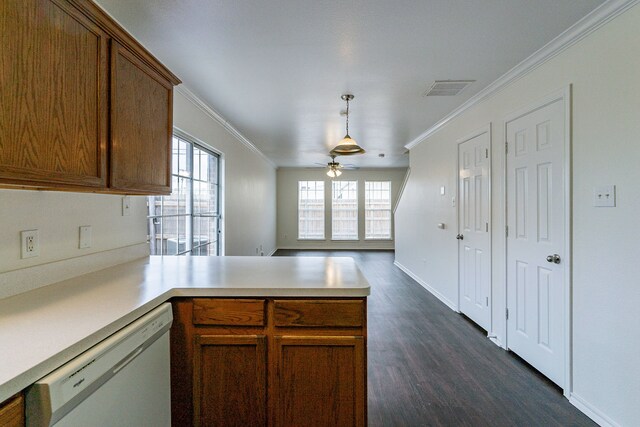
pixel 563 95
pixel 429 288
pixel 208 110
pixel 590 411
pixel 26 279
pixel 485 129
pixel 494 339
pixel 594 20
pixel 401 190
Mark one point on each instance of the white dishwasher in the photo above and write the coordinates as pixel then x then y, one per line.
pixel 122 381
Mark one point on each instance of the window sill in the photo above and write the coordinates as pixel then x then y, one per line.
pixel 311 240
pixel 345 240
pixel 370 239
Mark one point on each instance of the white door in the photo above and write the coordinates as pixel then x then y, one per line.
pixel 536 238
pixel 474 247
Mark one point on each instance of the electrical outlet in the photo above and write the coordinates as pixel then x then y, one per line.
pixel 85 237
pixel 126 206
pixel 604 196
pixel 30 243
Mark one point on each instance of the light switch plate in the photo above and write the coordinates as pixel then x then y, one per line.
pixel 604 196
pixel 442 190
pixel 85 237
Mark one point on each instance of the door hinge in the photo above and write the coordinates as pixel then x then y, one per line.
pixel 507 313
pixel 487 301
pixel 506 147
pixel 506 231
pixel 486 227
pixel 486 153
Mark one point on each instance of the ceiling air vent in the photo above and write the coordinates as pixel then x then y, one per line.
pixel 447 87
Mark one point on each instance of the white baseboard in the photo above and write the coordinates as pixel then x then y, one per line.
pixel 26 279
pixel 590 411
pixel 428 287
pixel 497 342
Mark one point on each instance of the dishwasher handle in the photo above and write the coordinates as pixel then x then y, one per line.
pixel 128 359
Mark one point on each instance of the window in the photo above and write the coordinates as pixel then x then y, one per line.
pixel 377 209
pixel 344 210
pixel 311 210
pixel 187 221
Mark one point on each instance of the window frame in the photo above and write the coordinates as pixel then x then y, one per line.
pixel 390 210
pixel 190 213
pixel 323 210
pixel 357 211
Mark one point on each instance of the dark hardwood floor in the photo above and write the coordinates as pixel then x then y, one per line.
pixel 429 366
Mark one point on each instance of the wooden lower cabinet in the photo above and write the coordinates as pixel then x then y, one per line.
pixel 269 362
pixel 319 381
pixel 12 412
pixel 229 380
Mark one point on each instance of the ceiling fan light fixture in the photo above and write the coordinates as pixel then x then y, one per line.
pixel 347 146
pixel 334 173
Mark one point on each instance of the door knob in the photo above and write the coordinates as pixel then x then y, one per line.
pixel 460 237
pixel 555 258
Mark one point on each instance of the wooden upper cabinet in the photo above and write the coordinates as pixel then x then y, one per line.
pixel 53 120
pixel 141 125
pixel 84 106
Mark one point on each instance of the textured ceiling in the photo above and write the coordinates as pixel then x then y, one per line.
pixel 276 69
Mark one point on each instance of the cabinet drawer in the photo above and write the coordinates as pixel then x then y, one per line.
pixel 229 312
pixel 319 313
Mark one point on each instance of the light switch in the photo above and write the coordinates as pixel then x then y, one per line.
pixel 604 196
pixel 442 190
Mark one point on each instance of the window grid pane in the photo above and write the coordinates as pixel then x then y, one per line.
pixel 344 210
pixel 186 221
pixel 310 210
pixel 377 209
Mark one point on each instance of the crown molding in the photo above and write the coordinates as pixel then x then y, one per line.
pixel 208 110
pixel 590 23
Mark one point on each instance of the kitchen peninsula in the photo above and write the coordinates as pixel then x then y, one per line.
pixel 302 319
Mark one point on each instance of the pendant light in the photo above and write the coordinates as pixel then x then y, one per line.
pixel 347 146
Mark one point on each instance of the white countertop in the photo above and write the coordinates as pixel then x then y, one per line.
pixel 42 329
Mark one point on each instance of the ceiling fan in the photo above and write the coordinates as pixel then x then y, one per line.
pixel 334 168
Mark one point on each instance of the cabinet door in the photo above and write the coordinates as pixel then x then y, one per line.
pixel 141 126
pixel 229 385
pixel 12 412
pixel 53 120
pixel 320 381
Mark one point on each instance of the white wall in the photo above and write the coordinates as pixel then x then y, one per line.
pixel 57 216
pixel 288 206
pixel 603 69
pixel 249 182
